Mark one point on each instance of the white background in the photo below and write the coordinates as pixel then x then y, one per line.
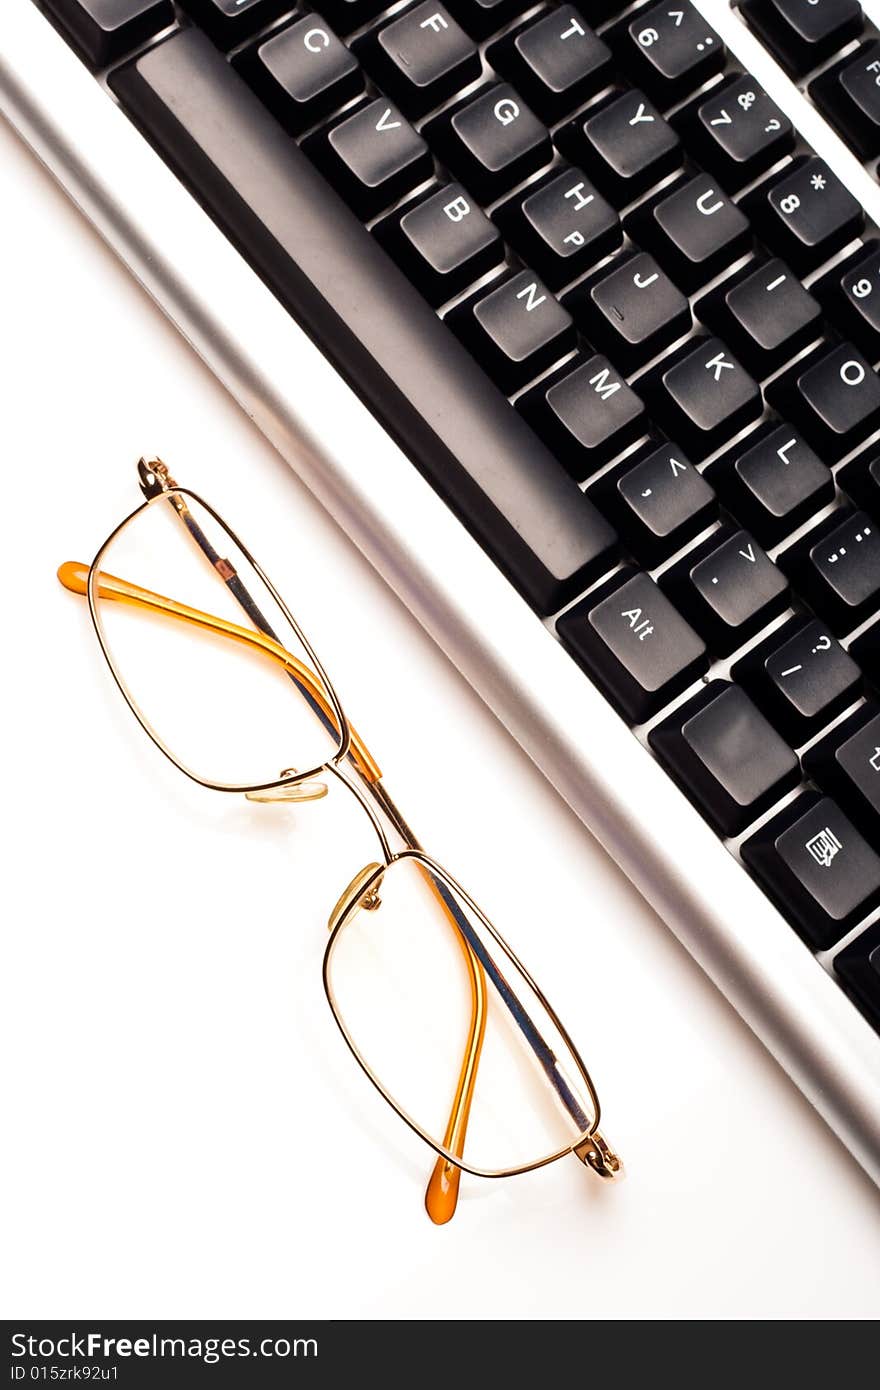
pixel 186 1134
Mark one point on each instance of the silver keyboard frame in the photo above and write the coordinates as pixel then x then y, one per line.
pixel 343 455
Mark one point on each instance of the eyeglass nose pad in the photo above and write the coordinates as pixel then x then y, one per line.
pixel 290 791
pixel 357 896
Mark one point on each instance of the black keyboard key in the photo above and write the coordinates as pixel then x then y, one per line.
pixel 421 58
pixel 670 50
pixel 833 396
pixel 805 213
pixel 586 415
pixel 344 290
pixel 846 764
pixel 104 30
pixel 726 756
pixel 555 61
pixel 637 649
pixel 801 34
pixel 229 22
pixel 631 310
pixel 773 482
pixel 703 395
pixel 764 313
pixel 303 73
pixel 626 146
pixel 492 142
pixel 443 243
pixel 516 330
pixel 850 294
pixel 482 17
pixel 560 226
pixel 694 230
pixel 860 480
pixel 801 677
pixel 849 95
pixel 836 568
pixel 657 503
pixel 728 588
pixel 858 967
pixel 817 868
pixel 372 157
pixel 737 131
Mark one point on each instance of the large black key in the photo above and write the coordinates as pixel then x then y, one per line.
pixel 737 131
pixel 444 243
pixel 302 73
pixel 586 415
pixel 372 157
pixel 772 481
pixel 631 310
pixel 630 639
pixel 801 677
pixel 821 873
pixel 731 762
pixel 492 142
pixel 805 213
pixel 657 503
pixel 516 331
pixel 850 294
pixel 849 95
pixel 703 395
pixel 834 396
pixel 846 763
pixel 421 58
pixel 482 17
pixel 228 22
pixel 561 225
pixel 801 34
pixel 836 567
pixel 670 50
pixel 858 967
pixel 104 30
pixel 764 313
pixel 626 146
pixel 728 588
pixel 860 480
pixel 555 61
pixel 347 294
pixel 694 231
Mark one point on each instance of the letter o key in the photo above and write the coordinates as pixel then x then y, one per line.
pixel 852 373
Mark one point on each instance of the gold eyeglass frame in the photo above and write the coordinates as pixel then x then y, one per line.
pixel 354 766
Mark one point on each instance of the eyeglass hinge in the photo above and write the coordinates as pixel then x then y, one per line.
pixel 595 1152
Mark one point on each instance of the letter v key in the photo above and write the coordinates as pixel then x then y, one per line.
pixel 384 123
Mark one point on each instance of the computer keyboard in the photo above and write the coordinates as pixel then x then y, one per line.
pixel 623 318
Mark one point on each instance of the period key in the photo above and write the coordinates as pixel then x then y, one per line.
pixel 634 644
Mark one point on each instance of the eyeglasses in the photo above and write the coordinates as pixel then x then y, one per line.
pixel 438 1011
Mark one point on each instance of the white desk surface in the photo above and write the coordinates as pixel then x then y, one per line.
pixel 186 1134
